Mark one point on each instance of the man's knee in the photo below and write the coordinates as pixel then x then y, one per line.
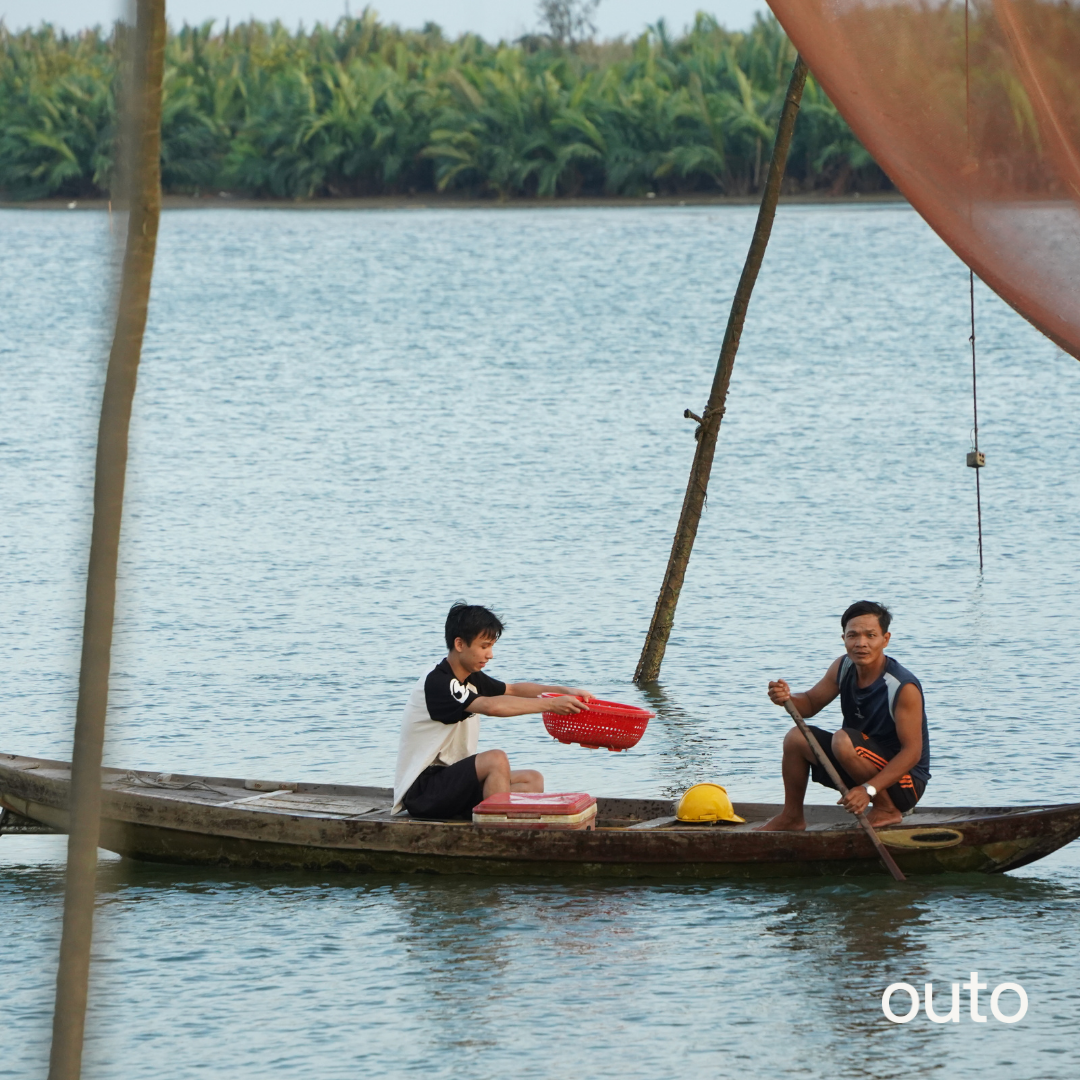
pixel 530 777
pixel 492 761
pixel 842 746
pixel 795 743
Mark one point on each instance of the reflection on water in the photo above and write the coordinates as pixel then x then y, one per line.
pixel 442 974
pixel 691 754
pixel 346 421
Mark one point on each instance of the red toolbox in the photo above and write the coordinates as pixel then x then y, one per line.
pixel 521 810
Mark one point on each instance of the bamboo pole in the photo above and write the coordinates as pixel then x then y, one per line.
pixel 652 655
pixel 140 145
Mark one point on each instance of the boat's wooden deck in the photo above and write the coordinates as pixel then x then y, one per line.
pixel 304 799
pixel 343 801
pixel 219 821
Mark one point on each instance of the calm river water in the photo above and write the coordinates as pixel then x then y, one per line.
pixel 346 421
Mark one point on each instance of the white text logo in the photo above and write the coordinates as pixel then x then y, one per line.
pixel 953 1015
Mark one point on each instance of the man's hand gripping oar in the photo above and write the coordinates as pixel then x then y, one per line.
pixel 827 765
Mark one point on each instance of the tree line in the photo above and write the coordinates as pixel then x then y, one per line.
pixel 366 108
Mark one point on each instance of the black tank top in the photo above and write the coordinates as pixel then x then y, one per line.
pixel 871 709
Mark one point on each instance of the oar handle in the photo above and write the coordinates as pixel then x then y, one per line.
pixel 834 776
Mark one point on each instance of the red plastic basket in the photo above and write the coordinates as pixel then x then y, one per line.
pixel 603 724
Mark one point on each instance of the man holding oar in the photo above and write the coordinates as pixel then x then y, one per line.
pixel 882 752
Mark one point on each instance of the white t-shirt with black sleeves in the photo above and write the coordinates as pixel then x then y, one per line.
pixel 437 727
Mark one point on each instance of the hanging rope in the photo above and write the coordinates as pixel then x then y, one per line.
pixel 975 460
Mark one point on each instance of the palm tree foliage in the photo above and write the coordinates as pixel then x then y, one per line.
pixel 366 108
pixel 57 114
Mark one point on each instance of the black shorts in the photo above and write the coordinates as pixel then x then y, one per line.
pixel 445 792
pixel 905 793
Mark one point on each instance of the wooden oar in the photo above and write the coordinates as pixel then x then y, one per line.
pixel 800 723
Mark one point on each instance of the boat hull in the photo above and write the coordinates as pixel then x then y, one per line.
pixel 227 825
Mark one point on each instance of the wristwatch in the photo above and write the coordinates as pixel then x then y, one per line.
pixel 870 790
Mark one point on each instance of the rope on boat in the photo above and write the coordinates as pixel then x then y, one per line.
pixel 163 781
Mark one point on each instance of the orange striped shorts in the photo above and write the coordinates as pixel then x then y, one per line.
pixel 905 793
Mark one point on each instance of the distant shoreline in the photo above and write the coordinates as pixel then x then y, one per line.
pixel 451 202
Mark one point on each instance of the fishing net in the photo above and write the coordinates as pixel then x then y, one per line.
pixel 974 112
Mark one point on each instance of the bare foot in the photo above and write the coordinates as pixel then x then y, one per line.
pixel 879 818
pixel 783 822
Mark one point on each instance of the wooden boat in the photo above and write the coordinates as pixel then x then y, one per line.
pixel 229 821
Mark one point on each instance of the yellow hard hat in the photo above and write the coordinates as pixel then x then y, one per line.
pixel 706 802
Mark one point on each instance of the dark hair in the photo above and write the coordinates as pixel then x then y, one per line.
pixel 468 621
pixel 867 607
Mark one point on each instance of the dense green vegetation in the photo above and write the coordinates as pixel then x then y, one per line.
pixel 364 108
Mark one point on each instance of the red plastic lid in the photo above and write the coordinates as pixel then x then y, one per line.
pixel 521 802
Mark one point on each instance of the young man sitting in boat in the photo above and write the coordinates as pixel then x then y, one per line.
pixel 440 775
pixel 882 751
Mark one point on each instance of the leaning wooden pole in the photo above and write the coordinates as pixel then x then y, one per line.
pixel 141 180
pixel 652 655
